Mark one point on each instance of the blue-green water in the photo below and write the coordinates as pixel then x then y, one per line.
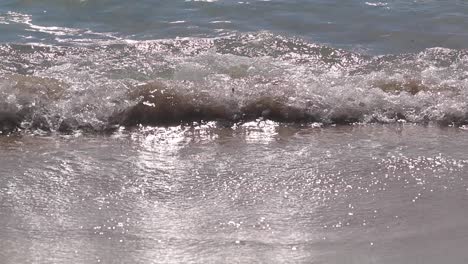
pixel 362 25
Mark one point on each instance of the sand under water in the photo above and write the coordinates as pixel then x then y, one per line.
pixel 260 192
pixel 222 131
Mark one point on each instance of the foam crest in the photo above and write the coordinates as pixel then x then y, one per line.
pixel 228 80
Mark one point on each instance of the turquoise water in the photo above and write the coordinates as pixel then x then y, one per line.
pixel 367 26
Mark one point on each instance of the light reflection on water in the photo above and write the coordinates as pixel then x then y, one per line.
pixel 375 26
pixel 362 194
pixel 260 131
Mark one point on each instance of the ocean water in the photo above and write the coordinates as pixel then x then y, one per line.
pixel 227 131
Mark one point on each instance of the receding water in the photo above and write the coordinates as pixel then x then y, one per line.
pixel 227 131
pixel 352 194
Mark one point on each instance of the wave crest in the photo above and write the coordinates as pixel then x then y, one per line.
pixel 230 80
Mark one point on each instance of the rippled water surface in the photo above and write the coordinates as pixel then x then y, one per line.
pixel 224 131
pixel 371 194
pixel 373 26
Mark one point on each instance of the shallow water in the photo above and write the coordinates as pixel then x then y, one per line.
pixel 217 131
pixel 352 194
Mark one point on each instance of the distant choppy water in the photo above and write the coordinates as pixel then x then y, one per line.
pixel 370 26
pixel 232 131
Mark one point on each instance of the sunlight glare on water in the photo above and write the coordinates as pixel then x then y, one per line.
pixel 227 131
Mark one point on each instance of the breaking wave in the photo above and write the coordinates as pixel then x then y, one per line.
pixel 103 86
